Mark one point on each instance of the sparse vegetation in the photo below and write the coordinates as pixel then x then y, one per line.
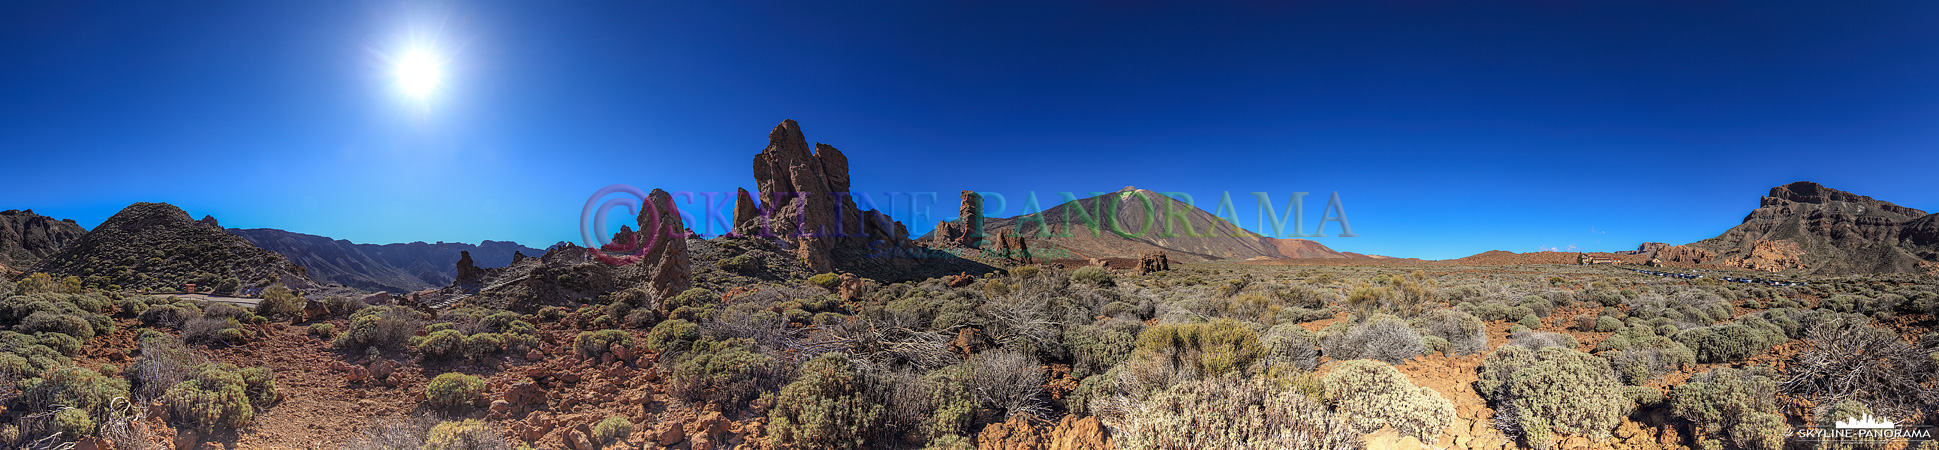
pixel 454 391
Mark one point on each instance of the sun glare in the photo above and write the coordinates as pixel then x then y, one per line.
pixel 418 73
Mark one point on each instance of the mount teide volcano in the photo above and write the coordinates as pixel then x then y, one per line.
pixel 1183 231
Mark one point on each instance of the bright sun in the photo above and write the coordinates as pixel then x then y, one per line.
pixel 418 72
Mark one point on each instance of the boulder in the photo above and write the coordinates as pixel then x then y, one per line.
pixel 525 393
pixel 672 434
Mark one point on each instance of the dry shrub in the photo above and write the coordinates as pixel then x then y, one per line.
pixel 1370 394
pixel 1227 413
pixel 1008 381
pixel 1465 333
pixel 1851 360
pixel 1384 338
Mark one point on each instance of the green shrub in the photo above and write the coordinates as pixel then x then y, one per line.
pixel 727 373
pixel 1537 340
pixel 827 281
pixel 1096 276
pixel 1370 394
pixel 169 315
pixel 1553 390
pixel 65 344
pixel 1215 348
pixel 74 387
pixel 1646 358
pixel 824 408
pixel 384 327
pixel 481 345
pixel 323 331
pixel 1231 413
pixel 454 391
pixel 1095 349
pixel 1608 324
pixel 68 324
pixel 279 302
pixel 1736 405
pixel 470 434
pixel 1383 338
pixel 1464 333
pixel 672 336
pixel 1288 343
pixel 74 422
pixel 1731 341
pixel 742 263
pixel 692 304
pixel 612 429
pixel 1531 321
pixel 221 396
pixel 442 344
pixel 1644 396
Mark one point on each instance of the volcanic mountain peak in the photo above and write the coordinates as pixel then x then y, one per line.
pixel 159 246
pixel 1130 221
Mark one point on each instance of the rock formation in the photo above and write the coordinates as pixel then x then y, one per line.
pixel 967 230
pixel 468 273
pixel 1011 245
pixel 1809 227
pixel 669 269
pixel 26 237
pixel 805 202
pixel 1153 262
pixel 1684 254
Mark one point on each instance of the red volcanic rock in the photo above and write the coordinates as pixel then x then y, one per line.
pixel 850 287
pixel 670 269
pixel 958 280
pixel 1684 254
pixel 807 203
pixel 1771 256
pixel 967 230
pixel 1153 262
pixel 1011 245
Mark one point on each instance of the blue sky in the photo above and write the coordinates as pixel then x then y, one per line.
pixel 1448 128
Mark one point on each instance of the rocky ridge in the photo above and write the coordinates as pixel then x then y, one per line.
pixel 1811 228
pixel 26 237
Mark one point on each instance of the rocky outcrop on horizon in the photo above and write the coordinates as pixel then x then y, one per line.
pixel 1819 230
pixel 26 237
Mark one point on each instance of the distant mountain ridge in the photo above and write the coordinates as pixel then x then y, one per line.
pixel 1183 231
pixel 1808 227
pixel 26 237
pixel 159 246
pixel 381 267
